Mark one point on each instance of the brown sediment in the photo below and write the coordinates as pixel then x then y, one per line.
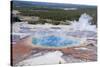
pixel 20 50
pixel 80 54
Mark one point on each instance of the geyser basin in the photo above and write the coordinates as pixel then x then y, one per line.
pixel 55 41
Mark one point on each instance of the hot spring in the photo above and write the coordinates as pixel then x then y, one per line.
pixel 58 35
pixel 55 41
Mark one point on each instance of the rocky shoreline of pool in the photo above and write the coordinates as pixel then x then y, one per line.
pixel 23 50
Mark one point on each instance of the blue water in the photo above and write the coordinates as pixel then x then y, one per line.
pixel 54 41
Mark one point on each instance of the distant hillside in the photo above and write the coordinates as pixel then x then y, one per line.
pixel 53 11
pixel 49 5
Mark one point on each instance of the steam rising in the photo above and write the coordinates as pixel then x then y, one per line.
pixel 83 24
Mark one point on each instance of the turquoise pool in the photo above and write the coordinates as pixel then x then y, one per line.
pixel 54 41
